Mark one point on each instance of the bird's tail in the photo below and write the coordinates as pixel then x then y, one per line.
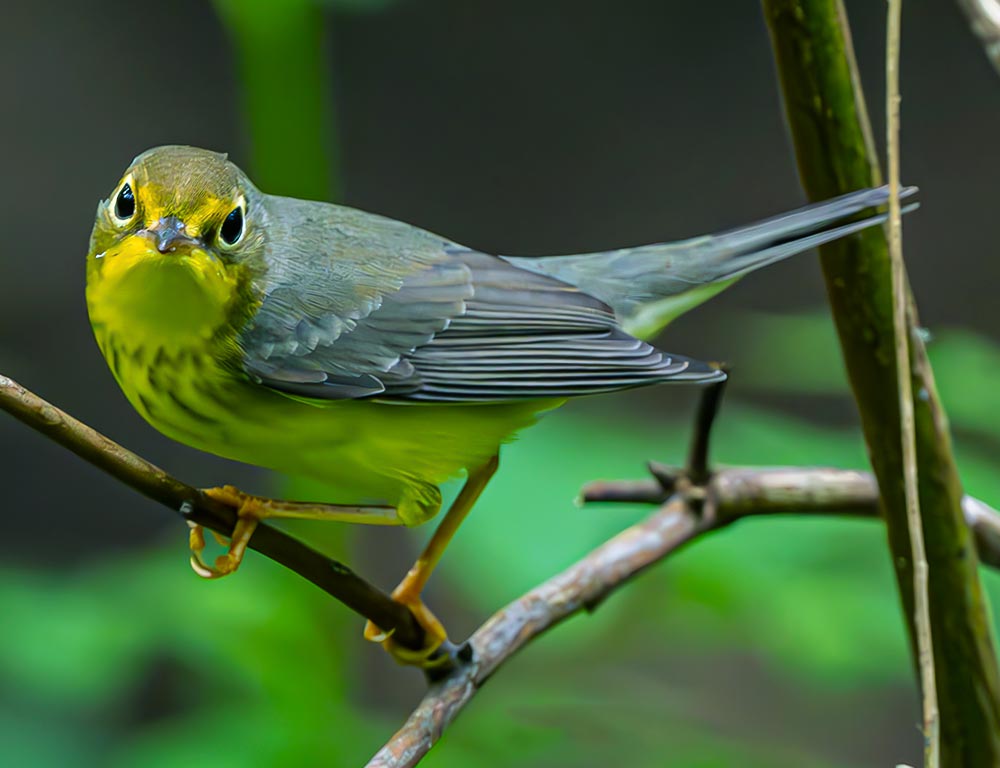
pixel 650 285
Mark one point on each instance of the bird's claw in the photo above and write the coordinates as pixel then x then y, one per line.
pixel 248 511
pixel 426 657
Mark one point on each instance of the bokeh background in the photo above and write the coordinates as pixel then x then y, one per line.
pixel 517 127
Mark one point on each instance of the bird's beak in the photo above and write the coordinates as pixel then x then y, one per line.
pixel 169 233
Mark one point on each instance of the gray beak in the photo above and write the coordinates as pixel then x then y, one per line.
pixel 169 233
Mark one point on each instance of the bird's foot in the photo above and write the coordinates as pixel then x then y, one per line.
pixel 427 657
pixel 249 510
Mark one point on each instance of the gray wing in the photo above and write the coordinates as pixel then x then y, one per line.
pixel 526 337
pixel 366 306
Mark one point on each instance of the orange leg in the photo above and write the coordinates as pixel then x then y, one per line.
pixel 410 588
pixel 250 510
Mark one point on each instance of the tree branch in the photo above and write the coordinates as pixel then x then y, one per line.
pixel 740 492
pixel 332 577
pixel 731 495
pixel 834 147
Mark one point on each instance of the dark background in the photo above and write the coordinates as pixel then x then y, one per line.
pixel 514 127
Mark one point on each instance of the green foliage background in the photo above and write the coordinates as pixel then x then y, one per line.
pixel 777 642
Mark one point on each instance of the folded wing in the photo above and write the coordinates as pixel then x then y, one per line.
pixel 446 324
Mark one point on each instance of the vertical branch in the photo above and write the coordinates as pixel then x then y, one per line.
pixel 922 618
pixel 708 408
pixel 285 106
pixel 832 138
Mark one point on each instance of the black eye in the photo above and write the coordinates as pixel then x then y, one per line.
pixel 232 228
pixel 125 203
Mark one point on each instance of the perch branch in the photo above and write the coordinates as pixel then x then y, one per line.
pixel 332 577
pixel 739 492
pixel 731 495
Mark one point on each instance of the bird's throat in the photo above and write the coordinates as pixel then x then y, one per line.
pixel 146 299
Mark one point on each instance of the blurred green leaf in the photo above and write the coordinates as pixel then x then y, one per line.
pixel 285 94
pixel 800 354
pixel 967 368
pixel 263 656
pixel 603 712
pixel 789 353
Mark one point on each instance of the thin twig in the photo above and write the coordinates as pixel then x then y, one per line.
pixel 901 329
pixel 332 577
pixel 708 409
pixel 739 492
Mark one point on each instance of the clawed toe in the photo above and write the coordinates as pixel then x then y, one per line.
pixel 248 516
pixel 435 635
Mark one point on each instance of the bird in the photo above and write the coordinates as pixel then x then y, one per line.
pixel 384 360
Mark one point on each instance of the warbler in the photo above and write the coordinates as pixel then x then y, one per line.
pixel 379 358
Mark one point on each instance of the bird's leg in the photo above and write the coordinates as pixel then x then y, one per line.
pixel 250 510
pixel 410 588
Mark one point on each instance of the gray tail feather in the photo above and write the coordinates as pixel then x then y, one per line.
pixel 627 278
pixel 745 249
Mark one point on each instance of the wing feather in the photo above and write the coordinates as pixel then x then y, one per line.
pixel 393 312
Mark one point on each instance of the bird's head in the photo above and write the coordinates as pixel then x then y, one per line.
pixel 173 247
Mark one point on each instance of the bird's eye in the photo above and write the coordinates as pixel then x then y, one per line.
pixel 124 203
pixel 231 231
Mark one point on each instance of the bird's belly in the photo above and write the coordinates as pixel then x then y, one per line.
pixel 367 451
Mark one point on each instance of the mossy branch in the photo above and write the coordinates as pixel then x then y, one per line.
pixel 835 152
